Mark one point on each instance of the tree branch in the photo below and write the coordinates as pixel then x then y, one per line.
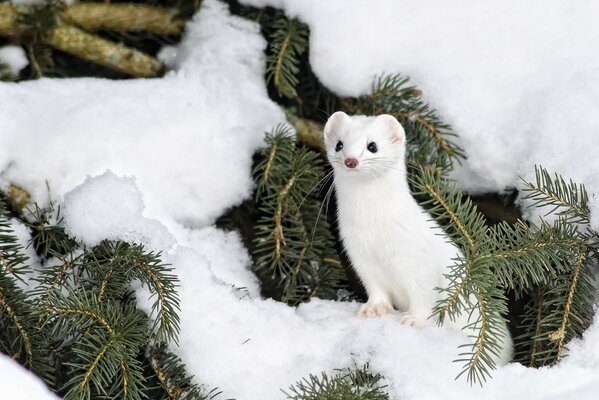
pixel 77 42
pixel 123 18
pixel 118 17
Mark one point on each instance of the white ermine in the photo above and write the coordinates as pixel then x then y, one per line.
pixel 399 252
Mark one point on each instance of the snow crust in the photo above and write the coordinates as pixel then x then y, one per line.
pixel 188 138
pixel 180 150
pixel 517 80
pixel 19 384
pixel 14 57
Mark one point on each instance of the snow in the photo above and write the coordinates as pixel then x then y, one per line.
pixel 517 80
pixel 188 138
pixel 156 161
pixel 14 57
pixel 106 207
pixel 17 383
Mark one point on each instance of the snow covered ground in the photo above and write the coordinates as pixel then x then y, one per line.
pixel 180 148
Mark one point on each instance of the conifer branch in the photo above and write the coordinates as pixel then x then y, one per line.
pixel 347 384
pixel 288 41
pixel 452 216
pixel 537 327
pixel 12 259
pixel 442 143
pixel 82 332
pixel 170 372
pixel 106 280
pixel 287 252
pixel 271 157
pixel 166 303
pixel 566 199
pixel 278 229
pixel 95 362
pixel 560 334
pixel 89 313
pixel 480 344
pixel 16 320
pixel 562 306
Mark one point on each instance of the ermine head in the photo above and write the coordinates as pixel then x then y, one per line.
pixel 364 146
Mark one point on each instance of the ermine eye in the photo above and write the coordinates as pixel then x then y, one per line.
pixel 372 147
pixel 339 146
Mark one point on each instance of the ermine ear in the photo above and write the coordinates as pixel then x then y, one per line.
pixel 392 126
pixel 334 123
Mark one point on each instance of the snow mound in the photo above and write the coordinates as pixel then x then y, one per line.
pixel 19 384
pixel 14 57
pixel 109 207
pixel 188 138
pixel 517 80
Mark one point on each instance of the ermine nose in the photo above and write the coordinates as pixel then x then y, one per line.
pixel 351 162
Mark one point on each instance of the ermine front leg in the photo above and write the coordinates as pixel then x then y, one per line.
pixel 378 304
pixel 420 307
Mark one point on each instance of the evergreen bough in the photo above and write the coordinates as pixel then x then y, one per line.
pixel 346 384
pixel 288 40
pixel 294 248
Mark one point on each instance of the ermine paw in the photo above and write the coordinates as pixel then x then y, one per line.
pixel 406 318
pixel 374 310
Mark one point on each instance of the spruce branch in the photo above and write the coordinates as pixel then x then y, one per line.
pixel 560 334
pixel 564 293
pixel 8 312
pixel 173 378
pixel 113 265
pixel 12 259
pixel 288 41
pixel 278 152
pixel 48 235
pixel 345 384
pixel 291 242
pixel 472 282
pixel 105 339
pixel 563 310
pixel 79 327
pixel 567 199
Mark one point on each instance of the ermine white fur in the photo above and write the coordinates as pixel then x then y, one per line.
pixel 399 252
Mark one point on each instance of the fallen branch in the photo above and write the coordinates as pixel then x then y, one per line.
pixel 77 42
pixel 8 20
pixel 123 18
pixel 119 17
pixel 308 132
